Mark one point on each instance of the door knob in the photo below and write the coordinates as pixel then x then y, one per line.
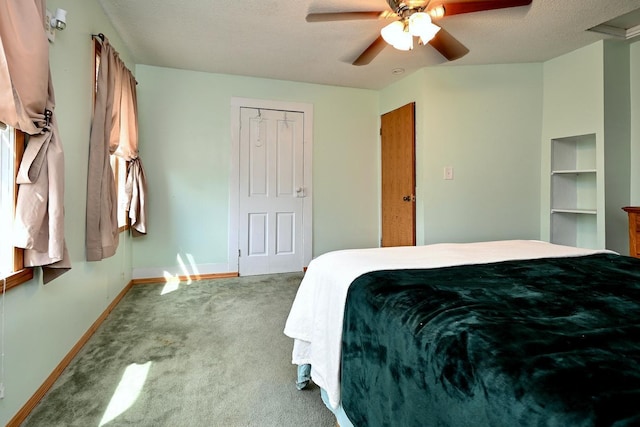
pixel 407 198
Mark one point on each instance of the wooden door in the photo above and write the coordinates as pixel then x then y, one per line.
pixel 398 177
pixel 272 189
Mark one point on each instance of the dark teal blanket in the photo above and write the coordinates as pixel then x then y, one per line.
pixel 550 342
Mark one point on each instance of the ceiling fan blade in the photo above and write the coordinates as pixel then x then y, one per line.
pixel 345 16
pixel 371 52
pixel 448 46
pixel 459 7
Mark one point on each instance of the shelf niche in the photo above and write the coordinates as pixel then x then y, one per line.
pixel 574 191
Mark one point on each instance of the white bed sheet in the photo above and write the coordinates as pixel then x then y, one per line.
pixel 315 319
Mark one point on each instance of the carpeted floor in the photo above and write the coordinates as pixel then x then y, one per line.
pixel 209 353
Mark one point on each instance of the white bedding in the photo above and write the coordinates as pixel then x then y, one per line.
pixel 315 319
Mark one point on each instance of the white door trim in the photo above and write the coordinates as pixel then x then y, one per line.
pixel 234 173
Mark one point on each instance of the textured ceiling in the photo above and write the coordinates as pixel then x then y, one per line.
pixel 271 39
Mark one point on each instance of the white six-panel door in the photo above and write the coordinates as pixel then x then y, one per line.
pixel 271 191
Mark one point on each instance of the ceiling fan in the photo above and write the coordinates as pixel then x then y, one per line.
pixel 414 19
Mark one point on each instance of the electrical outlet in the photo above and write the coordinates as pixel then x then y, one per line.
pixel 1 391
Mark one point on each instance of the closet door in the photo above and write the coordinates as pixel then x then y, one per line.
pixel 272 190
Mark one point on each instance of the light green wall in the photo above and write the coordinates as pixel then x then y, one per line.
pixel 573 105
pixel 635 123
pixel 573 93
pixel 484 121
pixel 185 132
pixel 617 134
pixel 44 322
pixel 588 92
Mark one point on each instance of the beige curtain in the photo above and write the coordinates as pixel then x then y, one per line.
pixel 136 185
pixel 27 102
pixel 136 188
pixel 114 130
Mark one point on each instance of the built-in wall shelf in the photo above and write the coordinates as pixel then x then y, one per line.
pixel 574 191
pixel 572 171
pixel 576 211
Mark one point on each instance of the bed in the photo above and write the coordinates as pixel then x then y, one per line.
pixel 500 333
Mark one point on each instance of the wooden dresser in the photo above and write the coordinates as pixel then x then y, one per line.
pixel 634 230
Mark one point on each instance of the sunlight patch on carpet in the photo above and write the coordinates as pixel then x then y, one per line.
pixel 127 391
pixel 172 283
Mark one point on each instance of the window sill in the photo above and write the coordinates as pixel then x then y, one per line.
pixel 17 278
pixel 26 274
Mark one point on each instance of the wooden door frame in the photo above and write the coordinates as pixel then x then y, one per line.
pixel 234 174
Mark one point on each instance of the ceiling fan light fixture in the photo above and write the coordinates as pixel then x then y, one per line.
pixel 429 33
pixel 420 25
pixel 404 41
pixel 397 35
pixel 392 32
pixel 437 12
pixel 418 22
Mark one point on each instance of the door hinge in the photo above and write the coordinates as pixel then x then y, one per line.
pixel 239 253
pixel 380 131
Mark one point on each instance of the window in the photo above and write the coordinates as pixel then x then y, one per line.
pixel 7 137
pixel 118 164
pixel 11 259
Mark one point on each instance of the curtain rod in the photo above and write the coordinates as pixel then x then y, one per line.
pixel 101 37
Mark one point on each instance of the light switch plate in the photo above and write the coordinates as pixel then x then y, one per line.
pixel 448 172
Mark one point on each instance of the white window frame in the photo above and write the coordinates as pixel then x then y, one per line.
pixel 7 202
pixel 12 270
